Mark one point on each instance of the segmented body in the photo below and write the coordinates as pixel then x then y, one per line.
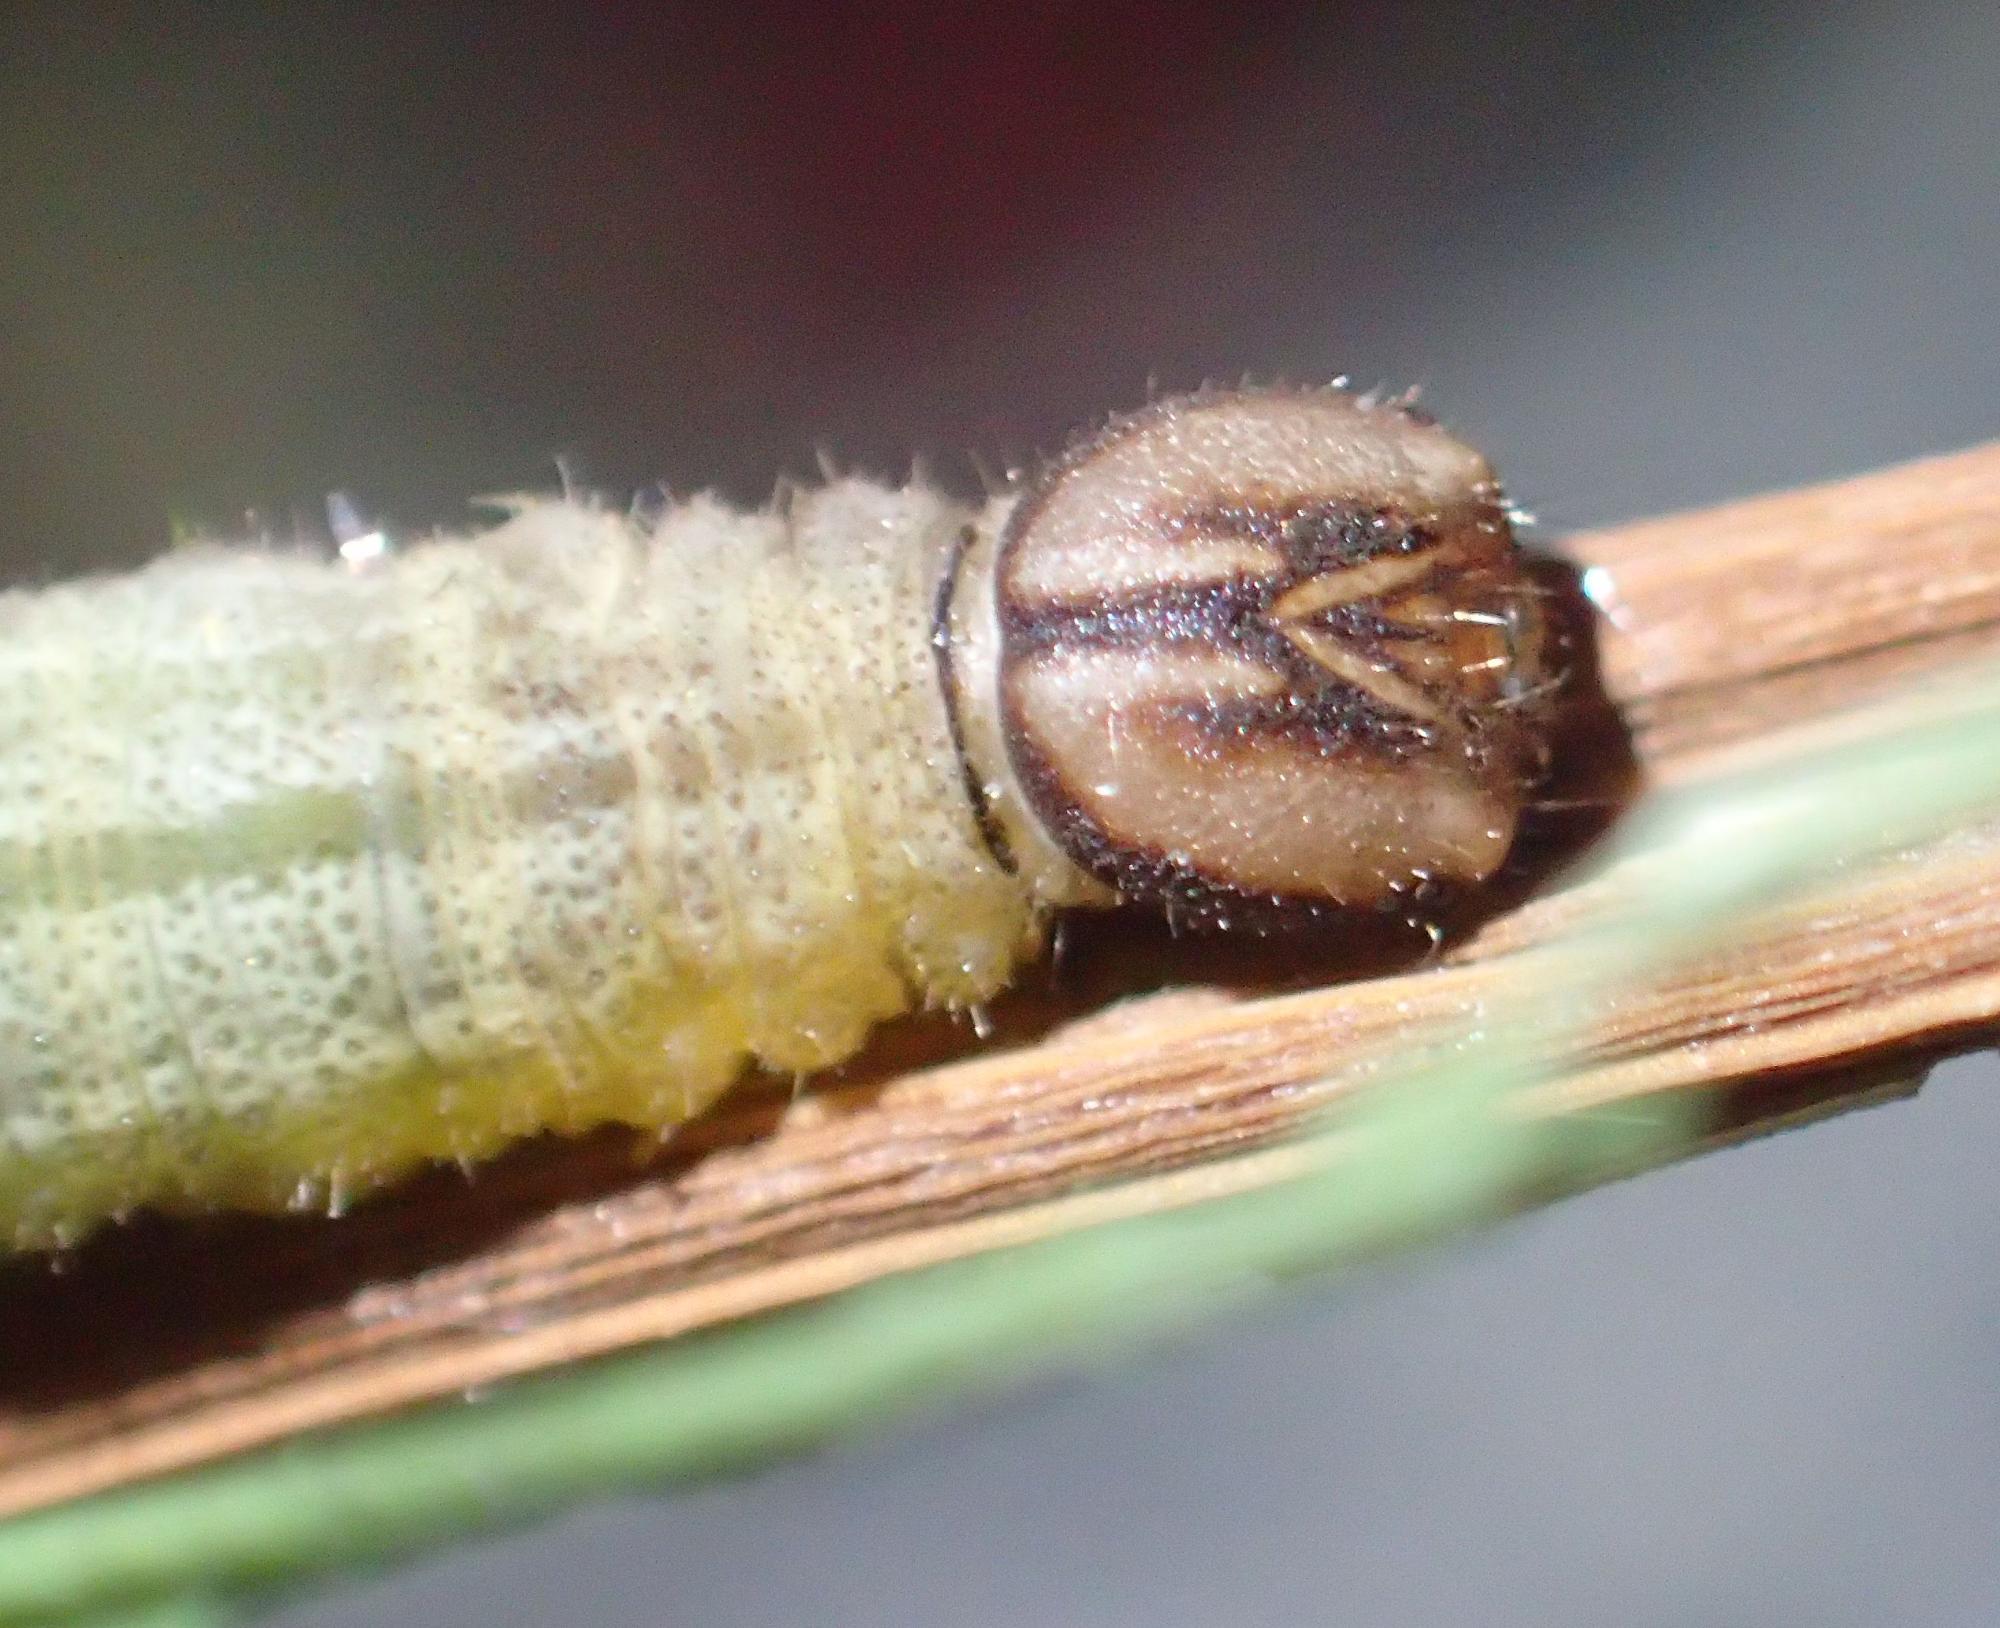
pixel 307 875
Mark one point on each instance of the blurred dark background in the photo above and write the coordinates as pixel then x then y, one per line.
pixel 1646 256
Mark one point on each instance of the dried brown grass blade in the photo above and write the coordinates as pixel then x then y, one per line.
pixel 1729 634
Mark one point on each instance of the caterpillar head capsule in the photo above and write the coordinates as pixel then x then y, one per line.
pixel 1271 644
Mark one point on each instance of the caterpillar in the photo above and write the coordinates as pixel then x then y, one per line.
pixel 313 871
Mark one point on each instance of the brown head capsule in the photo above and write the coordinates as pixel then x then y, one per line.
pixel 1270 644
pixel 310 874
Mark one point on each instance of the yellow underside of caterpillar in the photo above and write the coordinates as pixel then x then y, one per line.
pixel 675 1049
pixel 309 878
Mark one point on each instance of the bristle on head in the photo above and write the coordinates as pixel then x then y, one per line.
pixel 1272 644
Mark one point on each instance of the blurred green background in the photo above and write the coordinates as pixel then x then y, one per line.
pixel 1645 256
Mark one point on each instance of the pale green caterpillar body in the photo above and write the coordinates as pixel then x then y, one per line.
pixel 312 873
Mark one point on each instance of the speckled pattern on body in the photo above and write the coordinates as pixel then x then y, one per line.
pixel 312 872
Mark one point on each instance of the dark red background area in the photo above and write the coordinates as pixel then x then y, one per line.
pixel 255 256
pixel 1646 256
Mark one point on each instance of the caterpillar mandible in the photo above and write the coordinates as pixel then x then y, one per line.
pixel 312 874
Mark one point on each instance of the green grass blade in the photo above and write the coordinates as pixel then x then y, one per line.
pixel 1440 1150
